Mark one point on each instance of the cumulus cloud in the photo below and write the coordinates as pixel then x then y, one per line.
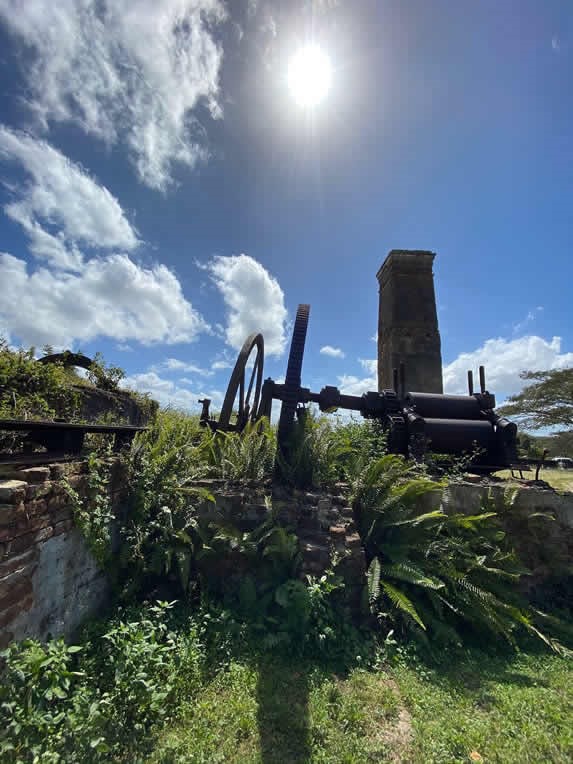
pixel 254 300
pixel 220 365
pixel 175 364
pixel 61 196
pixel 504 360
pixel 168 393
pixel 110 297
pixel 354 385
pixel 133 72
pixel 332 352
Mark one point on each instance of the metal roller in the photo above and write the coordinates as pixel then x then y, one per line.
pixel 444 406
pixel 456 436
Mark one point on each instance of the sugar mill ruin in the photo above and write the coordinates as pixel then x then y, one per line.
pixel 409 402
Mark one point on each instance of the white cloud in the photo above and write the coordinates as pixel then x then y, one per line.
pixel 504 360
pixel 61 195
pixel 332 352
pixel 254 300
pixel 174 364
pixel 520 326
pixel 130 71
pixel 220 365
pixel 353 385
pixel 110 297
pixel 168 393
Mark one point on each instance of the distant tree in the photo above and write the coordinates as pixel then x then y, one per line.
pixel 548 402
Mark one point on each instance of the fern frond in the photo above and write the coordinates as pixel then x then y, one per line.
pixel 402 602
pixel 373 579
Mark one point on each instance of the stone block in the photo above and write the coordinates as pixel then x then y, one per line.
pixel 78 482
pixel 11 513
pixel 353 541
pixel 12 491
pixel 39 490
pixel 36 507
pixel 58 501
pixel 34 474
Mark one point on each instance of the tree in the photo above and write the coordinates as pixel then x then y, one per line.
pixel 548 402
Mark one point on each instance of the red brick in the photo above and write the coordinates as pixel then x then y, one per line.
pixel 26 525
pixel 11 613
pixel 12 593
pixel 19 544
pixel 17 562
pixel 63 527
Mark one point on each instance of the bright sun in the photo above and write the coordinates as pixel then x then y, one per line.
pixel 309 75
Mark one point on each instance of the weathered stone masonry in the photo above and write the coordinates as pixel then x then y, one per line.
pixel 408 323
pixel 49 581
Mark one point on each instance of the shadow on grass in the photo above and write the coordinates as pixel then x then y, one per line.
pixel 283 716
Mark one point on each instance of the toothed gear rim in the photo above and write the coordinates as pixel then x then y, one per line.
pixel 292 384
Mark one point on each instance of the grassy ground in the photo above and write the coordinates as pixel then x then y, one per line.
pixel 477 709
pixel 561 480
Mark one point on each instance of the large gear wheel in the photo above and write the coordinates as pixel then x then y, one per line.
pixel 292 385
pixel 238 404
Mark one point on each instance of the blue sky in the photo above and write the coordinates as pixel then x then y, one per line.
pixel 163 194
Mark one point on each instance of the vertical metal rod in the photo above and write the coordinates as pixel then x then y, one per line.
pixel 470 382
pixel 482 378
pixel 395 379
pixel 402 379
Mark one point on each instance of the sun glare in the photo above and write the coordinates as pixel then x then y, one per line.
pixel 309 76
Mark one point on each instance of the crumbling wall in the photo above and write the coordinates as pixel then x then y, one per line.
pixel 323 523
pixel 539 525
pixel 49 580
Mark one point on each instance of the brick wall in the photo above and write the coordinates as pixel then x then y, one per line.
pixel 49 581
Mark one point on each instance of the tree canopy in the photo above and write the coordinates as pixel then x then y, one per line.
pixel 547 402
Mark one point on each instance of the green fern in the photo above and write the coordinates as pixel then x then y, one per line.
pixel 402 602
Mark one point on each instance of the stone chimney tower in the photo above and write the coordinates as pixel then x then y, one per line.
pixel 408 322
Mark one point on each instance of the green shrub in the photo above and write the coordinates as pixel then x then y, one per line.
pixel 240 457
pixel 102 699
pixel 431 573
pixel 29 389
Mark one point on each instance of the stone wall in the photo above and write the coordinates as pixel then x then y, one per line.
pixel 49 581
pixel 323 522
pixel 539 523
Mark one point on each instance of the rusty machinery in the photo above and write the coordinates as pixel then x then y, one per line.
pixel 416 423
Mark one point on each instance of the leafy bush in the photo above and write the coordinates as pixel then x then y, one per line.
pixel 435 573
pixel 101 699
pixel 31 390
pixel 163 464
pixel 316 453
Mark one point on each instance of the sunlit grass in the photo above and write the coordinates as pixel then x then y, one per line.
pixel 502 709
pixel 561 480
